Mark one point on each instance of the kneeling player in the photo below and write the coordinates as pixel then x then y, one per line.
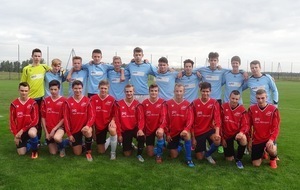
pixel 265 121
pixel 103 105
pixel 235 126
pixel 179 121
pixel 24 116
pixel 78 120
pixel 154 109
pixel 129 118
pixel 52 119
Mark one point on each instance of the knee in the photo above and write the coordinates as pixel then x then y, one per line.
pixel 112 131
pixel 256 163
pixel 57 139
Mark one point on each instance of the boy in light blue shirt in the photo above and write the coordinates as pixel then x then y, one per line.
pixel 55 74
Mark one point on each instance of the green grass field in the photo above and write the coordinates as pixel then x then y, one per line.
pixel 71 172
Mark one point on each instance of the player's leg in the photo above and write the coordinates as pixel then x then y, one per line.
pixel 100 139
pixel 127 140
pixel 213 147
pixel 159 144
pixel 58 138
pixel 173 145
pixel 77 144
pixel 200 146
pixel 22 146
pixel 229 149
pixel 32 132
pixel 113 141
pixel 140 145
pixel 242 143
pixel 52 146
pixel 88 134
pixel 257 153
pixel 150 144
pixel 273 155
pixel 188 147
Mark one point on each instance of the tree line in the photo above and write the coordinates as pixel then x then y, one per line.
pixel 16 66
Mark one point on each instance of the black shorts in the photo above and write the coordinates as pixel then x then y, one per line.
pixel 258 150
pixel 201 140
pixel 24 138
pixel 128 137
pixel 175 142
pixel 229 150
pixel 78 138
pixel 50 141
pixel 150 140
pixel 101 136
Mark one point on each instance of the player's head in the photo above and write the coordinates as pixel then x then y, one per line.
pixel 255 67
pixel 138 54
pixel 77 63
pixel 235 62
pixel 261 97
pixel 103 88
pixel 36 55
pixel 129 91
pixel 163 65
pixel 24 89
pixel 153 90
pixel 234 98
pixel 96 55
pixel 179 91
pixel 77 87
pixel 205 90
pixel 213 59
pixel 188 65
pixel 117 62
pixel 54 87
pixel 56 65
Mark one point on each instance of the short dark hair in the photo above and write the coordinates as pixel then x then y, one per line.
pixel 235 92
pixel 36 50
pixel 153 86
pixel 213 55
pixel 188 61
pixel 255 62
pixel 96 51
pixel 261 91
pixel 236 58
pixel 103 83
pixel 24 84
pixel 77 57
pixel 163 60
pixel 54 83
pixel 77 82
pixel 204 85
pixel 137 50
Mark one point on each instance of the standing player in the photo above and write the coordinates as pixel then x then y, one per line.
pixel 261 81
pixel 55 74
pixel 265 122
pixel 129 118
pixel 52 119
pixel 79 117
pixel 23 120
pixel 235 126
pixel 139 72
pixel 103 105
pixel 207 123
pixel 155 122
pixel 190 81
pixel 179 122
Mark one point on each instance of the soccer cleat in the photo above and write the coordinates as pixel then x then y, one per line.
pixel 34 155
pixel 273 164
pixel 113 156
pixel 246 152
pixel 239 164
pixel 62 153
pixel 210 160
pixel 265 156
pixel 133 146
pixel 220 150
pixel 88 156
pixel 190 163
pixel 158 159
pixel 140 158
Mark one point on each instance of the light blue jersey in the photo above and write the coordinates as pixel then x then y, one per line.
pixel 233 81
pixel 49 76
pixel 81 75
pixel 215 78
pixel 116 88
pixel 264 82
pixel 166 83
pixel 96 73
pixel 191 86
pixel 139 76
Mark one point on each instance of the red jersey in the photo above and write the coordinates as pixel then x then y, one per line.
pixel 23 115
pixel 155 115
pixel 77 114
pixel 206 116
pixel 129 116
pixel 234 120
pixel 51 111
pixel 104 111
pixel 179 117
pixel 265 123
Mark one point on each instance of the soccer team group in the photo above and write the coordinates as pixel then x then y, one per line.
pixel 181 110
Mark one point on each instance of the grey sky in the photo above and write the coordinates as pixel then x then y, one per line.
pixel 260 29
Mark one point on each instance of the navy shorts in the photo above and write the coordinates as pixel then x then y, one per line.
pixel 175 142
pixel 258 151
pixel 24 139
pixel 201 140
pixel 101 136
pixel 150 140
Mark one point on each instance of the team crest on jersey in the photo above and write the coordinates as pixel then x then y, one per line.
pixel 98 108
pixel 83 104
pixel 210 106
pixel 172 105
pixel 97 101
pixel 123 113
pixel 74 110
pixel 72 104
pixel 183 107
pixel 19 114
pixel 59 103
pixel 148 113
pixel 17 106
pixel 29 106
pixel 226 109
pixel 48 102
pixel 199 113
pixel 269 113
pixel 108 103
pixel 237 114
pixel 158 105
pixel 147 105
pixel 174 113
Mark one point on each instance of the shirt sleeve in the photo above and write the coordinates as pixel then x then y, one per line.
pixel 275 125
pixel 66 114
pixel 12 119
pixel 91 115
pixel 140 117
pixel 190 118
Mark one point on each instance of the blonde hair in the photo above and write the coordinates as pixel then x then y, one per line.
pixel 117 57
pixel 56 62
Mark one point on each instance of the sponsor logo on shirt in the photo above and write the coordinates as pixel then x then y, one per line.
pixel 108 103
pixel 214 78
pixel 83 104
pixel 36 76
pixel 96 73
pixel 162 79
pixel 237 114
pixel 269 113
pixel 138 73
pixel 234 84
pixel 19 114
pixel 256 88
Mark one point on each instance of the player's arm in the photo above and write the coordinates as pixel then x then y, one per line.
pixel 66 114
pixel 190 119
pixel 91 112
pixel 24 75
pixel 274 89
pixel 275 125
pixel 34 114
pixel 140 119
pixel 12 119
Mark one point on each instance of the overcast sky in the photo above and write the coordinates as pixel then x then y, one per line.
pixel 265 30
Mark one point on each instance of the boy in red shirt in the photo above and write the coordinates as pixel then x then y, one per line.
pixel 235 126
pixel 207 123
pixel 264 122
pixel 104 105
pixel 24 116
pixel 155 122
pixel 129 118
pixel 52 119
pixel 179 122
pixel 79 117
